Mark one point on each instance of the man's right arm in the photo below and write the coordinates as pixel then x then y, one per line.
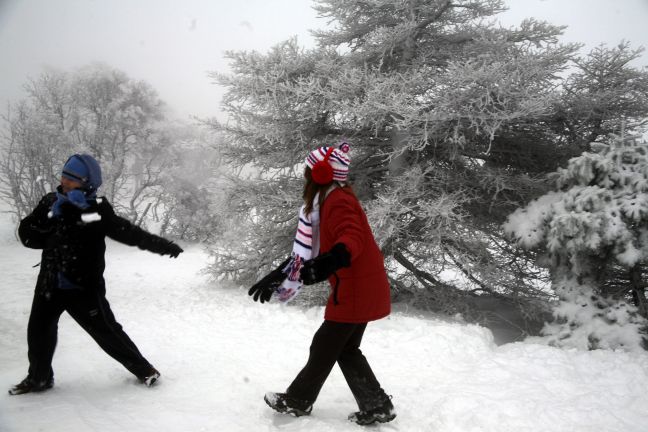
pixel 36 227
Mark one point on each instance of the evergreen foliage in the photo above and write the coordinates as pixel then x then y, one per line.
pixel 453 122
pixel 593 231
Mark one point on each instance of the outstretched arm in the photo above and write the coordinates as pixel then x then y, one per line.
pixel 123 231
pixel 263 289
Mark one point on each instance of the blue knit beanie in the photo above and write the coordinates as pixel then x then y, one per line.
pixel 84 169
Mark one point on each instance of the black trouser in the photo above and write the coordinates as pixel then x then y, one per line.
pixel 91 310
pixel 338 342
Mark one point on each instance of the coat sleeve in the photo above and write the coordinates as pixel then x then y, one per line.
pixel 344 218
pixel 35 229
pixel 123 231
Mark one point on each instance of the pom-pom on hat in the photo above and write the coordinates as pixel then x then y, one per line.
pixel 84 169
pixel 329 163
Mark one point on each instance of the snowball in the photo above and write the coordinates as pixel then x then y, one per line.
pixel 90 217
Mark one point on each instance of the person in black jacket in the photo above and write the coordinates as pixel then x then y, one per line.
pixel 70 226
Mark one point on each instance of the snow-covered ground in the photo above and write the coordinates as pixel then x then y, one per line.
pixel 219 352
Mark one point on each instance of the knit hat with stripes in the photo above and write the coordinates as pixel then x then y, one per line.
pixel 337 157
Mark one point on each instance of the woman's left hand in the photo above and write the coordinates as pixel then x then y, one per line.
pixel 322 266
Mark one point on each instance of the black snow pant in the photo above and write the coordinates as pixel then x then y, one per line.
pixel 91 310
pixel 338 342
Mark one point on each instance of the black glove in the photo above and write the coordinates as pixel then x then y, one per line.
pixel 173 250
pixel 323 266
pixel 262 290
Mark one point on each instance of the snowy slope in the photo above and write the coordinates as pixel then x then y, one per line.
pixel 219 353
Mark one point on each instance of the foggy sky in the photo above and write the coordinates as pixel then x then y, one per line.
pixel 172 45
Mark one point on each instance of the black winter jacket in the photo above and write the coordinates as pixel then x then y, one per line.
pixel 74 243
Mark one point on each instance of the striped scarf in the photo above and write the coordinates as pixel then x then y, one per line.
pixel 305 247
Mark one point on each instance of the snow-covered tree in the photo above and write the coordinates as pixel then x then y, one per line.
pixel 188 203
pixel 593 231
pixel 452 122
pixel 602 96
pixel 34 142
pixel 99 110
pixel 95 109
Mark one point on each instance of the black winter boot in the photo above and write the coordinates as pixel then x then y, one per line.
pixel 283 403
pixel 28 385
pixel 383 413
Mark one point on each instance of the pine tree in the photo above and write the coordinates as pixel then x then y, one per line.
pixel 452 121
pixel 593 230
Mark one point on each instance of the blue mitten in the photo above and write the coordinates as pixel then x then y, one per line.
pixel 56 207
pixel 75 197
pixel 78 198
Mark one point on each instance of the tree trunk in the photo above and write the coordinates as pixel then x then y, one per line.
pixel 638 290
pixel 399 137
pixel 398 162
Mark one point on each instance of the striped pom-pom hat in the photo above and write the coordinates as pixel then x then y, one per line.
pixel 338 159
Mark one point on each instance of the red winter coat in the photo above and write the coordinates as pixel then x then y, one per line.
pixel 363 290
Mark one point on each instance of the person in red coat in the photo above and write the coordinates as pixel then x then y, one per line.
pixel 345 252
